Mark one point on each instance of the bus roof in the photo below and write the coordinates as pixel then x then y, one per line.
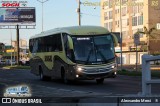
pixel 74 30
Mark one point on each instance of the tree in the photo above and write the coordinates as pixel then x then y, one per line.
pixel 148 33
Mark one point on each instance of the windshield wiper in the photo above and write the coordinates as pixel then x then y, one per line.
pixel 106 60
pixel 88 57
pixel 102 55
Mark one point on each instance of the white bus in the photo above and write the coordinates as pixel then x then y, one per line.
pixel 74 53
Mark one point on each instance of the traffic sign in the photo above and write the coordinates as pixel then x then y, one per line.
pixel 136 39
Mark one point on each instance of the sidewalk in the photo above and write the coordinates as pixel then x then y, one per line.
pixel 133 67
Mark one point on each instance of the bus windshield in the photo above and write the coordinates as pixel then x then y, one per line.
pixel 93 49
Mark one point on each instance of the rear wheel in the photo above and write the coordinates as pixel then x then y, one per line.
pixel 100 81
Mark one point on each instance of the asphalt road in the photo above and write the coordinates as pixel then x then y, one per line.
pixel 119 86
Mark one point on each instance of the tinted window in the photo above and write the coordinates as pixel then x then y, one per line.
pixel 66 45
pixel 46 44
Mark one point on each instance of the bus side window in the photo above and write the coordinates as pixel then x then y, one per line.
pixel 35 46
pixel 66 46
pixel 58 42
pixel 31 45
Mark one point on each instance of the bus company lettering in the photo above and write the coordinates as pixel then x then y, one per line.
pixel 48 58
pixel 10 4
pixel 13 3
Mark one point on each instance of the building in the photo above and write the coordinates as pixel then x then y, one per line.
pixel 135 15
pixel 6 51
pixel 23 47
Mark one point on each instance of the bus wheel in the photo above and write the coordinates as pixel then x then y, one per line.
pixel 100 81
pixel 63 76
pixel 42 77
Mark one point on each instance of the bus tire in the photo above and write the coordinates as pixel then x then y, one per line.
pixel 100 81
pixel 63 76
pixel 42 77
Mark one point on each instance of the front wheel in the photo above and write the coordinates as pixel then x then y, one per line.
pixel 63 77
pixel 42 76
pixel 100 81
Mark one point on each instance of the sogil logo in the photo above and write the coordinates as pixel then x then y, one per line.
pixel 14 3
pixel 10 4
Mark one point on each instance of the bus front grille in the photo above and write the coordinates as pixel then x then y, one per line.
pixel 104 70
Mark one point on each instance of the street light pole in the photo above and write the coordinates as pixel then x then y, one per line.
pixel 42 2
pixel 11 46
pixel 121 31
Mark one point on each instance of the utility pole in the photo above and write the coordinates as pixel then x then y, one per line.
pixel 18 44
pixel 79 12
pixel 42 2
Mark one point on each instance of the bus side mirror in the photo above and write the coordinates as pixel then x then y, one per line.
pixel 115 40
pixel 70 42
pixel 71 54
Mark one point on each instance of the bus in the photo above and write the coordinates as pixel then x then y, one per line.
pixel 74 53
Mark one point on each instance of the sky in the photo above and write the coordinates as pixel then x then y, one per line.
pixel 57 13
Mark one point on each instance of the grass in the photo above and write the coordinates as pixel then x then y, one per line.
pixel 16 67
pixel 138 73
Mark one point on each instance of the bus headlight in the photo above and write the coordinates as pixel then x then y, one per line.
pixel 113 66
pixel 79 69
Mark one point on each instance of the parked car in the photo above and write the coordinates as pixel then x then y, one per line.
pixel 13 62
pixel 24 61
pixel 2 62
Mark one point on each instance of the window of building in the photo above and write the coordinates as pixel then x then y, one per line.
pixel 124 2
pixel 117 11
pixel 134 9
pixel 110 3
pixel 141 35
pixel 124 11
pixel 117 23
pixel 110 14
pixel 140 20
pixel 106 16
pixel 110 26
pixel 140 8
pixel 106 25
pixel 134 21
